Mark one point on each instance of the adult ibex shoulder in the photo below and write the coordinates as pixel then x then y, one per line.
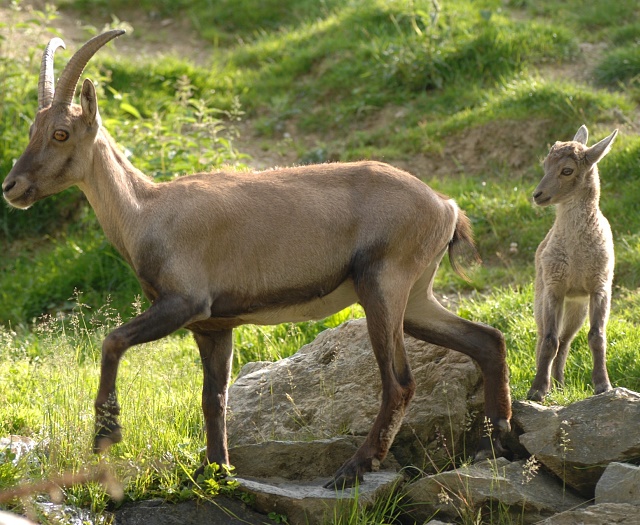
pixel 574 262
pixel 213 251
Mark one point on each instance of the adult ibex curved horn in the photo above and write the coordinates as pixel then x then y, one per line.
pixel 46 81
pixel 71 74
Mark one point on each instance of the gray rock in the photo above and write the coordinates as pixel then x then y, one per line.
pixel 288 478
pixel 578 441
pixel 18 446
pixel 529 416
pixel 620 483
pixel 602 514
pixel 221 511
pixel 308 503
pixel 514 489
pixel 332 387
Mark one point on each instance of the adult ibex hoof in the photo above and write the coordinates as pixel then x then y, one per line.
pixel 491 443
pixel 601 389
pixel 347 476
pixel 536 395
pixel 105 437
pixel 503 426
pixel 220 469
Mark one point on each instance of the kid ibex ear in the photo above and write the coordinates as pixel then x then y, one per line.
pixel 89 103
pixel 600 149
pixel 582 135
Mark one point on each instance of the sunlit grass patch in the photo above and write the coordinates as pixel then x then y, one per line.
pixel 511 311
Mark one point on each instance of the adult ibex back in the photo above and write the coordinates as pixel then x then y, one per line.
pixel 213 251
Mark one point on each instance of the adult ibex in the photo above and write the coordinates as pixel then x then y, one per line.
pixel 214 251
pixel 574 262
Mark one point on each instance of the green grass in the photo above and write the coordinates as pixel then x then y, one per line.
pixel 391 80
pixel 511 311
pixel 50 377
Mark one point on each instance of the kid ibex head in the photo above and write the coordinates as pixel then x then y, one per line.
pixel 569 166
pixel 58 148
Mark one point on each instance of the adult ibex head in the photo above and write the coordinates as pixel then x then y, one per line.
pixel 62 134
pixel 213 251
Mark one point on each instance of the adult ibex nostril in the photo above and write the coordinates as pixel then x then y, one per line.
pixel 8 185
pixel 537 194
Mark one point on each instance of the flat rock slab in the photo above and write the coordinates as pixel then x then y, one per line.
pixel 309 503
pixel 603 514
pixel 288 477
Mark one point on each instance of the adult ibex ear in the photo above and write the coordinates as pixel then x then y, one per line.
pixel 89 103
pixel 582 135
pixel 600 149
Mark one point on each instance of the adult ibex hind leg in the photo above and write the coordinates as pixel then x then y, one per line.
pixel 383 295
pixel 429 321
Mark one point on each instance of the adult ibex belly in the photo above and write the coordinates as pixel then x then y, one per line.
pixel 281 309
pixel 316 308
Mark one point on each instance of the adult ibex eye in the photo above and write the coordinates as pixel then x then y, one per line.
pixel 60 135
pixel 567 171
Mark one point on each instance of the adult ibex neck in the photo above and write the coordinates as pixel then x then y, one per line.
pixel 117 192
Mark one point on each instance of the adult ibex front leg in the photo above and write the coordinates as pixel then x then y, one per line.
pixel 166 315
pixel 216 353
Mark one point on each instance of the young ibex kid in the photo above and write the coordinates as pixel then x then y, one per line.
pixel 574 262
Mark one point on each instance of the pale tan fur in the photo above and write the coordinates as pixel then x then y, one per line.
pixel 574 262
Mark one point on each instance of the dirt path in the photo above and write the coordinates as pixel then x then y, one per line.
pixel 32 24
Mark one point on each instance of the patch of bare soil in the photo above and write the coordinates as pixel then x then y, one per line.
pixel 515 145
pixel 510 144
pixel 32 23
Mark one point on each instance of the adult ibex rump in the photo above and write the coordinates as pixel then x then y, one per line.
pixel 213 251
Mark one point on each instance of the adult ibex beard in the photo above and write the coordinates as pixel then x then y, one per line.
pixel 213 251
